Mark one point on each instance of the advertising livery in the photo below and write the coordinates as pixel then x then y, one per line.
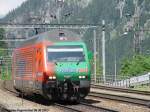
pixel 54 64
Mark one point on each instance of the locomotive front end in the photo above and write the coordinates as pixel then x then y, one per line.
pixel 71 75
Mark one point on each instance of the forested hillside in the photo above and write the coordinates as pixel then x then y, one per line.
pixel 125 20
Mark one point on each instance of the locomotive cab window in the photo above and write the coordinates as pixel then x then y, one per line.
pixel 66 54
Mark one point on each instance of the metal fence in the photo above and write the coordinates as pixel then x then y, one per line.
pixel 123 81
pixel 134 81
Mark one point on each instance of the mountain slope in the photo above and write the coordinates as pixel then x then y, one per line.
pixel 120 15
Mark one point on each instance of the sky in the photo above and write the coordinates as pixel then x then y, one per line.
pixel 8 5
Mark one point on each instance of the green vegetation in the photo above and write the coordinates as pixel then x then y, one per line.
pixel 138 65
pixel 5 71
pixel 90 56
pixel 2 43
pixel 98 67
pixel 2 36
pixel 118 46
pixel 142 88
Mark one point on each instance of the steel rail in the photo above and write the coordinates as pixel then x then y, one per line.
pixel 66 107
pixel 98 107
pixel 55 104
pixel 9 90
pixel 82 107
pixel 72 108
pixel 4 108
pixel 120 89
pixel 138 101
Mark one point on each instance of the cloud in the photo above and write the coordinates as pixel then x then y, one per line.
pixel 8 5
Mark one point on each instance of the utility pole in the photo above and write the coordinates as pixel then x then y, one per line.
pixel 103 51
pixel 95 53
pixel 58 17
pixel 115 66
pixel 115 62
pixel 137 48
pixel 137 39
pixel 60 3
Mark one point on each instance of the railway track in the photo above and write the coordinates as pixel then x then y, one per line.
pixel 3 109
pixel 84 107
pixel 9 89
pixel 98 108
pixel 81 107
pixel 125 98
pixel 66 107
pixel 120 89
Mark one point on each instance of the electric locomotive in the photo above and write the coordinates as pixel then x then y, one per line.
pixel 54 64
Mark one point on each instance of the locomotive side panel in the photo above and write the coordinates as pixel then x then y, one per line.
pixel 23 69
pixel 29 66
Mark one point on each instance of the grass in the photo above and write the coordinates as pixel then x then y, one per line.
pixel 142 87
pixel 5 74
pixel 6 77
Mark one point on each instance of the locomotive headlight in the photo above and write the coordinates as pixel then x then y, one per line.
pixel 80 77
pixel 83 77
pixel 54 77
pixel 50 77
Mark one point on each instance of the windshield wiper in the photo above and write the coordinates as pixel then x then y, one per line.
pixel 80 59
pixel 55 62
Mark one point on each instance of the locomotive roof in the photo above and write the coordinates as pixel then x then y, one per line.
pixel 53 35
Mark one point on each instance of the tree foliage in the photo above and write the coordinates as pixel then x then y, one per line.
pixel 117 45
pixel 2 36
pixel 139 64
pixel 2 43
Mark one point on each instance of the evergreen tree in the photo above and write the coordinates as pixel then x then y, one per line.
pixel 2 36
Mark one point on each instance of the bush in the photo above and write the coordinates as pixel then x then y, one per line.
pixel 139 64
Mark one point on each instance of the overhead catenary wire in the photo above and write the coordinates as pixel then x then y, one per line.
pixel 53 26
